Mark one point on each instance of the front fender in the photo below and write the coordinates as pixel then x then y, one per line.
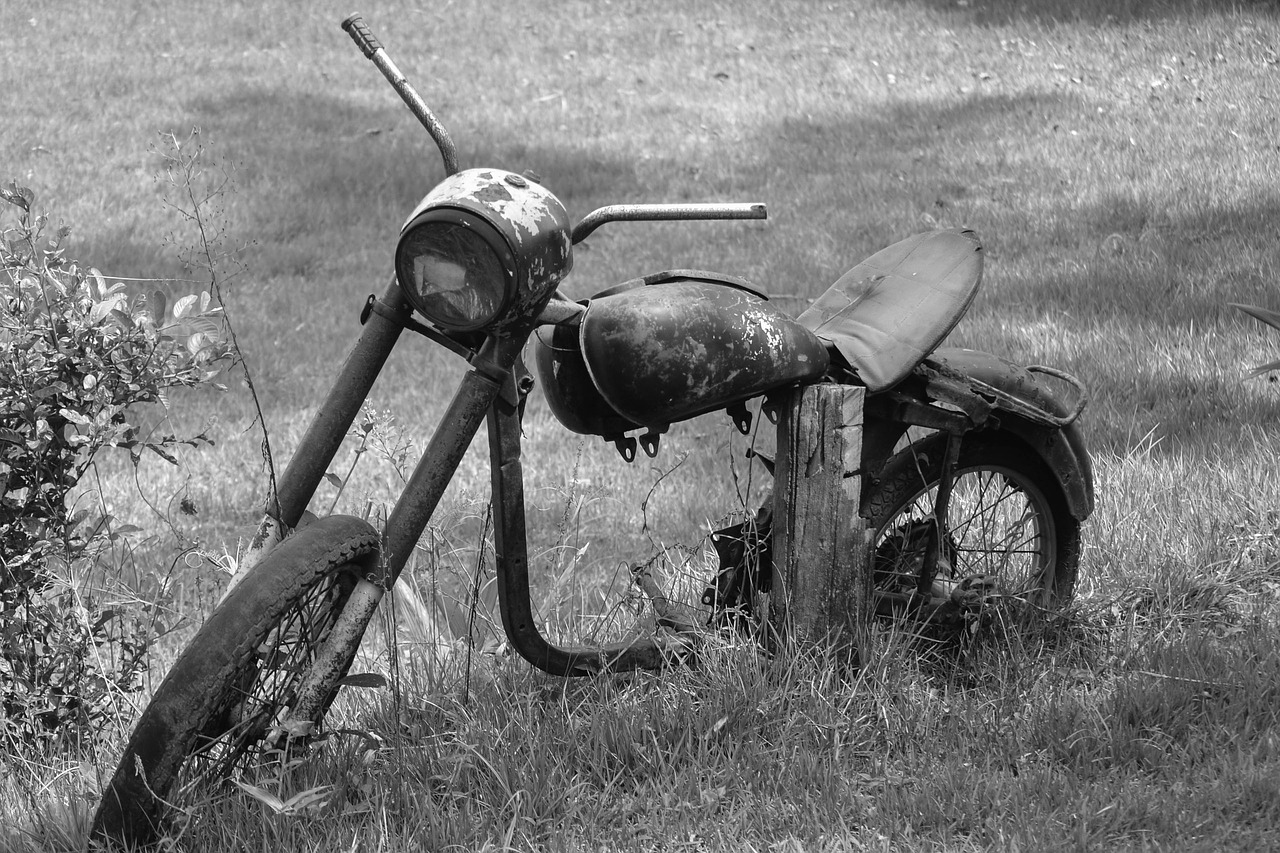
pixel 1062 448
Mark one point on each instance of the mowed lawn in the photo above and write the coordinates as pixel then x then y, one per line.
pixel 1119 161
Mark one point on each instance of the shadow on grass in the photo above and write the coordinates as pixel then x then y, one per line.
pixel 1202 417
pixel 1160 255
pixel 383 160
pixel 1141 278
pixel 301 190
pixel 995 13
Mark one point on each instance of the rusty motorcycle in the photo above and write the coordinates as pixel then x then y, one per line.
pixel 975 467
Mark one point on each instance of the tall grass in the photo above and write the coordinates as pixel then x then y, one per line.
pixel 1119 161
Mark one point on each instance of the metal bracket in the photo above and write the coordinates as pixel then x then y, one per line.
pixel 752 453
pixel 649 443
pixel 373 305
pixel 956 392
pixel 1020 406
pixel 625 445
pixel 908 410
pixel 741 417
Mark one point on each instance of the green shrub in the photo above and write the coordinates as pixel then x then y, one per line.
pixel 79 361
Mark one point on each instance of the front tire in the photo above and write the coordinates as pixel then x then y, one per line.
pixel 1008 522
pixel 235 679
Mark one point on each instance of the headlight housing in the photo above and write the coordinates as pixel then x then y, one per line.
pixel 484 248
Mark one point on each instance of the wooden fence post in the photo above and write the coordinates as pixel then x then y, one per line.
pixel 821 546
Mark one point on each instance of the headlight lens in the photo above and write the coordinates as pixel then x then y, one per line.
pixel 452 267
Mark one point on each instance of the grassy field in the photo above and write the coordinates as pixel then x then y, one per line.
pixel 1119 160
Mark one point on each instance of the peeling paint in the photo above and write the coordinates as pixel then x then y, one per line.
pixel 527 214
pixel 669 351
pixel 530 220
pixel 527 208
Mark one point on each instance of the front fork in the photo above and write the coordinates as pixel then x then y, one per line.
pixel 491 391
pixel 409 518
pixel 328 429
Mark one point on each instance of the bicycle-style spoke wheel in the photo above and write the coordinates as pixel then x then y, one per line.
pixel 229 692
pixel 1008 528
pixel 259 696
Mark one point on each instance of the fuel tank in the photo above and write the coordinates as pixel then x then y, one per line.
pixel 671 349
pixel 571 394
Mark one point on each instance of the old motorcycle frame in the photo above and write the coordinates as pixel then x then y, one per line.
pixel 481 258
pixel 494 391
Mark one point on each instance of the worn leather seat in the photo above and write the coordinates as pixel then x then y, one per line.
pixel 890 311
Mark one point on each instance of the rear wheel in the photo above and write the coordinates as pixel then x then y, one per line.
pixel 1008 531
pixel 236 679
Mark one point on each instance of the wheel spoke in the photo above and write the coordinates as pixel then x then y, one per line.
pixel 998 525
pixel 264 690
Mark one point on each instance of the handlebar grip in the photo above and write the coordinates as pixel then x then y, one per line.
pixel 361 35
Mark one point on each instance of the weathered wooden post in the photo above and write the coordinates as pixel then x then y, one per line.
pixel 821 546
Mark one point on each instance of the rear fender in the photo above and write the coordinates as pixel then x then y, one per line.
pixel 1062 448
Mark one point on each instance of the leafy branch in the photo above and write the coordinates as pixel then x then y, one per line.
pixel 200 189
pixel 80 359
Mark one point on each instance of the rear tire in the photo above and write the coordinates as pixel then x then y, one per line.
pixel 235 679
pixel 1008 519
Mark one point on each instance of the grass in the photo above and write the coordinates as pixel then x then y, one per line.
pixel 1119 161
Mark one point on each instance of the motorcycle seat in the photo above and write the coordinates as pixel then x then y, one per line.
pixel 893 309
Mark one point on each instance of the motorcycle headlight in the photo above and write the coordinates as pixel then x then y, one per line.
pixel 484 247
pixel 455 269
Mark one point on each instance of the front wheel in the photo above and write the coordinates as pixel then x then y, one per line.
pixel 1008 530
pixel 236 679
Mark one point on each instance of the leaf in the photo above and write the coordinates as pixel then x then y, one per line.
pixel 159 302
pixel 98 312
pixel 333 479
pixel 364 680
pixel 457 619
pixel 183 306
pixel 163 454
pixel 309 798
pixel 1266 368
pixel 297 728
pixel 100 282
pixel 103 618
pixel 1271 318
pixel 109 305
pixel 267 798
pixel 63 232
pixel 18 196
pixel 75 417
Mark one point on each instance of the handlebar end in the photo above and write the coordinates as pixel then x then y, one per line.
pixel 361 34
